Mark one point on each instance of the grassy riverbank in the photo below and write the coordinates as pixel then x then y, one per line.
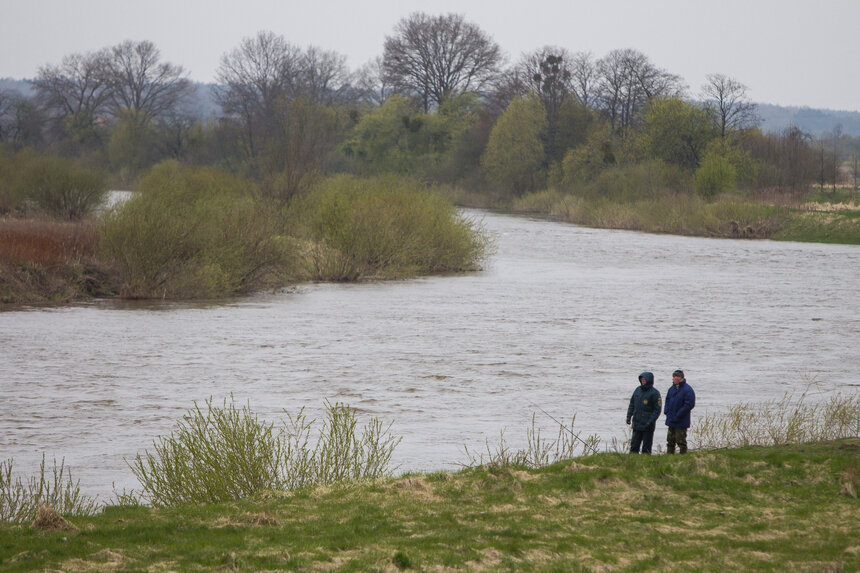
pixel 756 508
pixel 201 233
pixel 806 219
pixel 45 260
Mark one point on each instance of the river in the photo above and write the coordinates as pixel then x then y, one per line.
pixel 562 318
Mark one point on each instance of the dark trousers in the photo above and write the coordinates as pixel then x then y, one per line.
pixel 676 436
pixel 644 439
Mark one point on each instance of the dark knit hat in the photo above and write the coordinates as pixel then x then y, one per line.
pixel 679 373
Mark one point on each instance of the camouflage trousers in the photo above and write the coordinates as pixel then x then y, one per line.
pixel 676 436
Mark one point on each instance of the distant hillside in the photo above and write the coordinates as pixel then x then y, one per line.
pixel 816 122
pixel 21 86
pixel 202 104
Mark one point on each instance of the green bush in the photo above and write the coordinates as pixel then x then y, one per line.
pixel 225 453
pixel 342 453
pixel 59 187
pixel 515 156
pixel 645 180
pixel 715 175
pixel 384 226
pixel 215 454
pixel 195 232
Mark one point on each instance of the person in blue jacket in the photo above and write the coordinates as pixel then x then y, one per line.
pixel 680 399
pixel 643 411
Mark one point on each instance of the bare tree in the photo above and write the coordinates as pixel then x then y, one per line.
pixel 306 136
pixel 627 81
pixel 75 92
pixel 142 84
pixel 252 79
pixel 584 78
pixel 837 137
pixel 21 120
pixel 325 77
pixel 855 170
pixel 370 82
pixel 6 101
pixel 547 73
pixel 510 84
pixel 726 98
pixel 437 57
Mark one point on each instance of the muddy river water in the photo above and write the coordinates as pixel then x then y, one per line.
pixel 562 318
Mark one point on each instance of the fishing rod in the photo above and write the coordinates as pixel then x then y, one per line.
pixel 551 417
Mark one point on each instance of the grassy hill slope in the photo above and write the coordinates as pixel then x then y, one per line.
pixel 778 508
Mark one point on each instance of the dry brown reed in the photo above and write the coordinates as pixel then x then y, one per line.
pixel 46 242
pixel 49 520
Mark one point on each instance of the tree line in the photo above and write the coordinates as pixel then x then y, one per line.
pixel 439 104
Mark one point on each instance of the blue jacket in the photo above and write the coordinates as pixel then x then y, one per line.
pixel 680 400
pixel 645 405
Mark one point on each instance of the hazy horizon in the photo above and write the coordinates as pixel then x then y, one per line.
pixel 794 53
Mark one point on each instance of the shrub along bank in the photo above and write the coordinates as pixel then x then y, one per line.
pixel 384 226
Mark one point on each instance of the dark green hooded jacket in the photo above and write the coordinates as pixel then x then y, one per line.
pixel 645 405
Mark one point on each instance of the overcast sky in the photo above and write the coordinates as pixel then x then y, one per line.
pixel 788 52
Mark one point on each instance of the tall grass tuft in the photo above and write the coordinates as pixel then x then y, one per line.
pixel 539 450
pixel 342 451
pixel 788 420
pixel 21 500
pixel 220 453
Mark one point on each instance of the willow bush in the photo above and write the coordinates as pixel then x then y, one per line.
pixel 384 226
pixel 195 232
pixel 221 453
pixel 54 186
pixel 214 454
pixel 61 188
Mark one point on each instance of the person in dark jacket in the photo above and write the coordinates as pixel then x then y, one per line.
pixel 680 399
pixel 643 411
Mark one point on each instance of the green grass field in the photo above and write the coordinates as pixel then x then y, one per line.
pixel 788 508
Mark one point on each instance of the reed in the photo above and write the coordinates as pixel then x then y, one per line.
pixel 665 212
pixel 342 452
pixel 539 451
pixel 45 241
pixel 22 499
pixel 789 420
